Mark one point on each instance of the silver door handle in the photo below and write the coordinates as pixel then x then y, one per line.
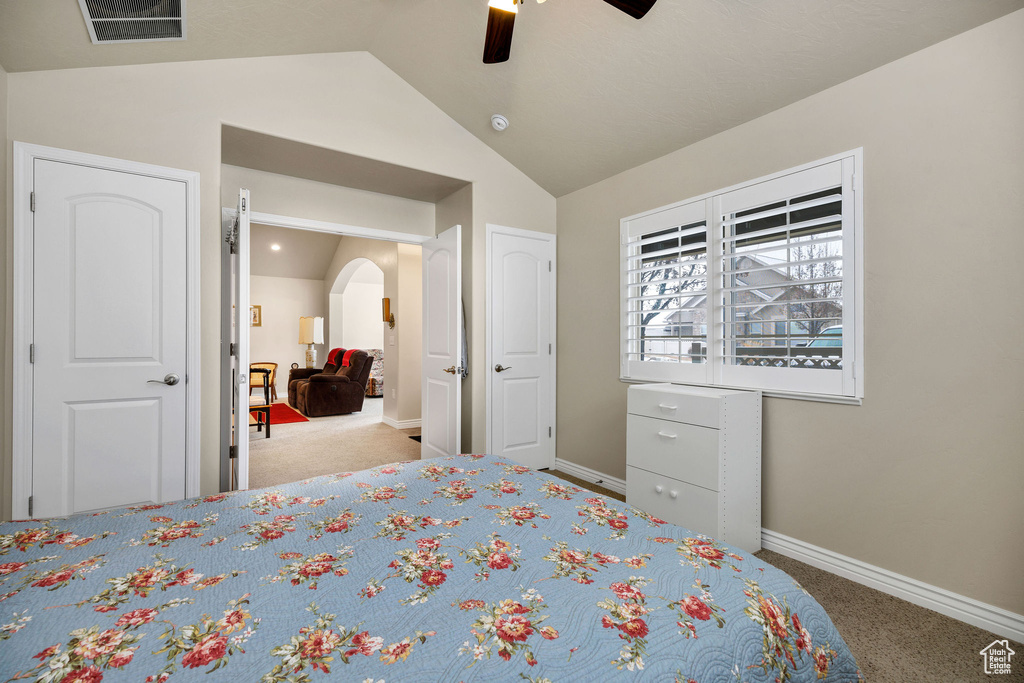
pixel 170 380
pixel 500 368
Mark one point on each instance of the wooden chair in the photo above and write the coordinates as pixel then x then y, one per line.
pixel 256 379
pixel 261 407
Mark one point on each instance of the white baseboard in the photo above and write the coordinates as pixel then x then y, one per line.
pixel 989 617
pixel 401 424
pixel 587 474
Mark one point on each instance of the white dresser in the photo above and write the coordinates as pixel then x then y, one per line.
pixel 693 458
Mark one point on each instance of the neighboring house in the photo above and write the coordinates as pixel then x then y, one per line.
pixel 785 313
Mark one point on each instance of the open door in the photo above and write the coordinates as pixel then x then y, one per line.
pixel 234 472
pixel 442 345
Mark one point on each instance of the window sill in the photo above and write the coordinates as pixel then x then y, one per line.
pixel 767 393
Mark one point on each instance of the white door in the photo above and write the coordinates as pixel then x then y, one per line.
pixel 235 350
pixel 521 354
pixel 109 336
pixel 442 345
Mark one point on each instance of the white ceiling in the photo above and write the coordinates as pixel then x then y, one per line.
pixel 589 91
pixel 304 254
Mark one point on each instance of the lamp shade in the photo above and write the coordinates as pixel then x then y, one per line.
pixel 311 330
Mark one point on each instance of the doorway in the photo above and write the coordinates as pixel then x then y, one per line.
pixel 359 250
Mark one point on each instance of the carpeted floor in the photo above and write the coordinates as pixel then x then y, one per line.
pixel 324 445
pixel 893 640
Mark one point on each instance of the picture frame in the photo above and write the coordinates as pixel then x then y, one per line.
pixel 256 316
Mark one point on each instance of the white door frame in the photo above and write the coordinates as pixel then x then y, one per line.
pixel 25 156
pixel 490 231
pixel 277 221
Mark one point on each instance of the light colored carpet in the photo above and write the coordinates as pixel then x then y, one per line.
pixel 325 445
pixel 892 639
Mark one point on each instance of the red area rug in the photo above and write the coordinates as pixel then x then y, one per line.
pixel 282 413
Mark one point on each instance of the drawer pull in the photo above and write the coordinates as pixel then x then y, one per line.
pixel 659 488
pixel 665 406
pixel 673 494
pixel 667 435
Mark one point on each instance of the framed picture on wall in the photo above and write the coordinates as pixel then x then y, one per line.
pixel 255 316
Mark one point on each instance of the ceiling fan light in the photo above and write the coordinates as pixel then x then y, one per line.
pixel 504 5
pixel 498 39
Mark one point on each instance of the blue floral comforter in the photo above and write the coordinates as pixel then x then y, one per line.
pixel 468 568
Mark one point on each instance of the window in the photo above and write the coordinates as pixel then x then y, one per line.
pixel 754 286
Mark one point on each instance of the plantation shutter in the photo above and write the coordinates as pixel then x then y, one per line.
pixel 783 290
pixel 752 287
pixel 665 294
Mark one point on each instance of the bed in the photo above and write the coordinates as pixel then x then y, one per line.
pixel 469 568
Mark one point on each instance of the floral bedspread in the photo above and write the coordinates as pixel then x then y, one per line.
pixel 469 568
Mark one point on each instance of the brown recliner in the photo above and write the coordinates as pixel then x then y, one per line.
pixel 335 390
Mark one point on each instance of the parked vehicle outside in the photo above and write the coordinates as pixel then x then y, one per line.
pixel 829 337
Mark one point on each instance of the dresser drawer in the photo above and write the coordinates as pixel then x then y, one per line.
pixel 692 507
pixel 694 405
pixel 677 450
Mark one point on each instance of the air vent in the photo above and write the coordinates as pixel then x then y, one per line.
pixel 130 21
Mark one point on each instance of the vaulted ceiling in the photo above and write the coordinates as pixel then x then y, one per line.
pixel 588 90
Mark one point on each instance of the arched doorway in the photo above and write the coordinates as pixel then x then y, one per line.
pixel 354 316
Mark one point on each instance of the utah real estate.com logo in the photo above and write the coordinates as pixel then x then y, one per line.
pixel 997 657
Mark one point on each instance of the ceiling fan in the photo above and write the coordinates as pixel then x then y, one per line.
pixel 501 16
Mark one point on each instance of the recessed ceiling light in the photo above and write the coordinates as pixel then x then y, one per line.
pixel 275 247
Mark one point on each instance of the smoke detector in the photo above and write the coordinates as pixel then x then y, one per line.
pixel 130 21
pixel 499 122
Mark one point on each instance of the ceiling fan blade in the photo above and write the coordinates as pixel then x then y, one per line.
pixel 634 8
pixel 498 41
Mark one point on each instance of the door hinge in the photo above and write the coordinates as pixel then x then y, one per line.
pixel 549 266
pixel 232 350
pixel 232 452
pixel 31 353
pixel 853 182
pixel 549 349
pixel 243 203
pixel 231 236
pixel 549 432
pixel 32 202
pixel 31 505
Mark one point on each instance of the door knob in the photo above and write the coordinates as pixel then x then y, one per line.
pixel 500 368
pixel 170 380
pixel 451 370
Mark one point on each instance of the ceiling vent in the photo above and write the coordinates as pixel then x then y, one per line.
pixel 130 21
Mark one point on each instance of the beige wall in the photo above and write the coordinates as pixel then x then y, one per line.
pixel 171 114
pixel 283 300
pixel 300 198
pixel 408 311
pixel 924 478
pixel 5 320
pixel 359 310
